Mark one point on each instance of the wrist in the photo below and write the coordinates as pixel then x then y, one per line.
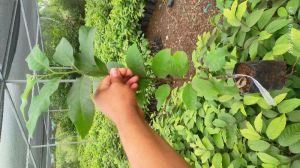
pixel 128 120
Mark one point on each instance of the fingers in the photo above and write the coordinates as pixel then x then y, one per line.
pixel 134 87
pixel 105 83
pixel 132 80
pixel 115 76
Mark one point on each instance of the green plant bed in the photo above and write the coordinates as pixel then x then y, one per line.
pixel 118 27
pixel 209 122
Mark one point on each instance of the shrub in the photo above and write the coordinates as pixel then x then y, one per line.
pixel 117 24
pixel 208 122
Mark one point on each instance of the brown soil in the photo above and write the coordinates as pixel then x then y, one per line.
pixel 180 25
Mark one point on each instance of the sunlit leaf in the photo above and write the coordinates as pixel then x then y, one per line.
pixel 135 60
pixel 161 95
pixel 276 126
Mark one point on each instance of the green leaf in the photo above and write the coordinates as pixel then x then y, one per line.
pixel 64 53
pixel 231 18
pixel 161 63
pixel 282 45
pixel 189 97
pixel 264 35
pixel 258 145
pixel 295 148
pixel 101 66
pixel 86 40
pixel 258 122
pixel 292 6
pixel 210 90
pixel 295 164
pixel 180 64
pixel 250 133
pixel 290 135
pixel 219 123
pixel 253 49
pixel 253 18
pixel 85 60
pixel 279 98
pixel 266 158
pixel 241 10
pixel 294 116
pixel 282 12
pixel 81 107
pixel 161 95
pixel 135 61
pixel 276 127
pixel 114 64
pixel 30 82
pixel 288 105
pixel 234 6
pixel 225 98
pixel 37 61
pixel 251 99
pixel 40 104
pixel 277 25
pixel 217 161
pixel 215 60
pixel 218 140
pixel 266 17
pixel 295 37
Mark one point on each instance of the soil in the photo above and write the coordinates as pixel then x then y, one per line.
pixel 179 26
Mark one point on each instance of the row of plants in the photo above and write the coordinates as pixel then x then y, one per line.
pixel 216 126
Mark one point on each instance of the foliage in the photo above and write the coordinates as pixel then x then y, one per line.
pixel 117 24
pixel 104 150
pixel 208 122
pixel 60 18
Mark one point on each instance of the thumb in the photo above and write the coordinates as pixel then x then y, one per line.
pixel 115 76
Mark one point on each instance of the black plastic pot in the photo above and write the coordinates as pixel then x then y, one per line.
pixel 270 74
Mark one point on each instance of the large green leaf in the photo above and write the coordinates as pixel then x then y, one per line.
pixel 64 53
pixel 277 25
pixel 282 45
pixel 103 70
pixel 258 145
pixel 266 17
pixel 81 107
pixel 288 105
pixel 86 40
pixel 217 160
pixel 135 61
pixel 30 82
pixel 204 88
pixel 161 63
pixel 241 10
pixel 290 135
pixel 215 60
pixel 114 64
pixel 180 64
pixel 276 126
pixel 295 164
pixel 258 122
pixel 253 18
pixel 295 37
pixel 231 18
pixel 189 96
pixel 37 60
pixel 292 6
pixel 251 99
pixel 249 132
pixel 85 61
pixel 266 158
pixel 40 104
pixel 295 148
pixel 161 95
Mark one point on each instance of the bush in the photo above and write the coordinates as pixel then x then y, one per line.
pixel 117 23
pixel 216 126
pixel 104 150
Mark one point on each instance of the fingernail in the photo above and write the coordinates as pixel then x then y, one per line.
pixel 113 72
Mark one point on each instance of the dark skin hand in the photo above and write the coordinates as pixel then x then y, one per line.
pixel 115 98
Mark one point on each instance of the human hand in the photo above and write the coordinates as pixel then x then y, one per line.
pixel 115 96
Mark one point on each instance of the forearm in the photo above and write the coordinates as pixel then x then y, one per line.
pixel 144 148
